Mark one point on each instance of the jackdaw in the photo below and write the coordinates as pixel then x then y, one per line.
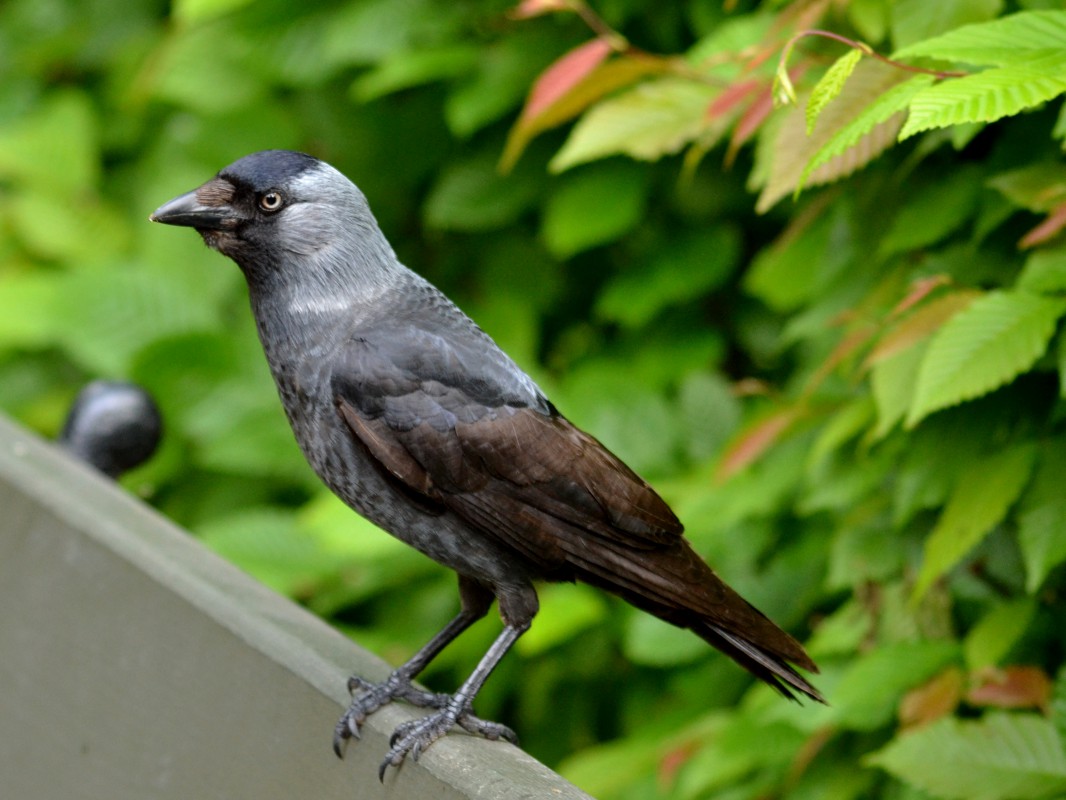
pixel 413 416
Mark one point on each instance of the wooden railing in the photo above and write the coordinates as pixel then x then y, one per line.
pixel 136 664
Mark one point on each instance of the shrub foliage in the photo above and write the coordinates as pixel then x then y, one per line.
pixel 800 264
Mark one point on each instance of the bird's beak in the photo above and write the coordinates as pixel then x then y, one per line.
pixel 206 208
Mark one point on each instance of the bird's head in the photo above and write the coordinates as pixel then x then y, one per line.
pixel 277 212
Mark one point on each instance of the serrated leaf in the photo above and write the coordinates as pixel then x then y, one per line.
pixel 608 77
pixel 1001 756
pixel 978 503
pixel 915 20
pixel 920 324
pixel 830 85
pixel 996 338
pixel 653 119
pixel 1009 40
pixel 987 96
pixel 880 110
pixel 792 148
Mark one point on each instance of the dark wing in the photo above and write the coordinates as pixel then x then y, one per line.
pixel 456 424
pixel 463 427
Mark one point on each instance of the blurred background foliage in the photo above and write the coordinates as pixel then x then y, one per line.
pixel 775 374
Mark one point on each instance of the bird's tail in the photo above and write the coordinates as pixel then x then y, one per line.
pixel 676 585
pixel 763 664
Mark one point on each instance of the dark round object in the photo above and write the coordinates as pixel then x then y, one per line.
pixel 115 426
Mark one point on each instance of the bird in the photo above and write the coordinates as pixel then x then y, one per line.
pixel 415 418
pixel 113 425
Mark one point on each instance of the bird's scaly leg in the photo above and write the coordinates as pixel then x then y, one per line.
pixel 368 697
pixel 415 736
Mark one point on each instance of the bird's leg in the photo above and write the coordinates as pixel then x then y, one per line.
pixel 415 736
pixel 368 697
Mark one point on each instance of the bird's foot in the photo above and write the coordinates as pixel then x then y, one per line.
pixel 368 697
pixel 413 737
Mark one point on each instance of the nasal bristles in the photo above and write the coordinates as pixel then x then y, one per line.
pixel 215 193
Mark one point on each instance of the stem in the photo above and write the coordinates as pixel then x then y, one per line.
pixel 865 49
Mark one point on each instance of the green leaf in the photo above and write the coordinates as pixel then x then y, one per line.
pixel 651 641
pixel 894 669
pixel 593 207
pixel 892 382
pixel 987 96
pixel 1044 271
pixel 710 413
pixel 54 150
pixel 1042 516
pixel 507 67
pixel 266 543
pixel 793 148
pixel 830 85
pixel 372 30
pixel 999 757
pixel 196 11
pixel 406 69
pixel 991 640
pixel 653 119
pixel 997 337
pixel 915 20
pixel 1013 39
pixel 1040 186
pixel 934 212
pixel 204 69
pixel 684 269
pixel 565 611
pixel 980 501
pixel 1058 704
pixel 882 107
pixel 470 195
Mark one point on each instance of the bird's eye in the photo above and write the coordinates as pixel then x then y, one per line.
pixel 271 201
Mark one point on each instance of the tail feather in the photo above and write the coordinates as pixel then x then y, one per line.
pixel 766 666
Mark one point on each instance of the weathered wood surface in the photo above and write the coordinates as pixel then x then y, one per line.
pixel 135 664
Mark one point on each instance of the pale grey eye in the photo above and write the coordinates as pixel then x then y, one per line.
pixel 271 201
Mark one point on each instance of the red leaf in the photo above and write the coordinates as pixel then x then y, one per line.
pixel 1054 222
pixel 564 74
pixel 1011 687
pixel 756 440
pixel 749 122
pixel 528 9
pixel 932 700
pixel 673 761
pixel 731 97
pixel 919 290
